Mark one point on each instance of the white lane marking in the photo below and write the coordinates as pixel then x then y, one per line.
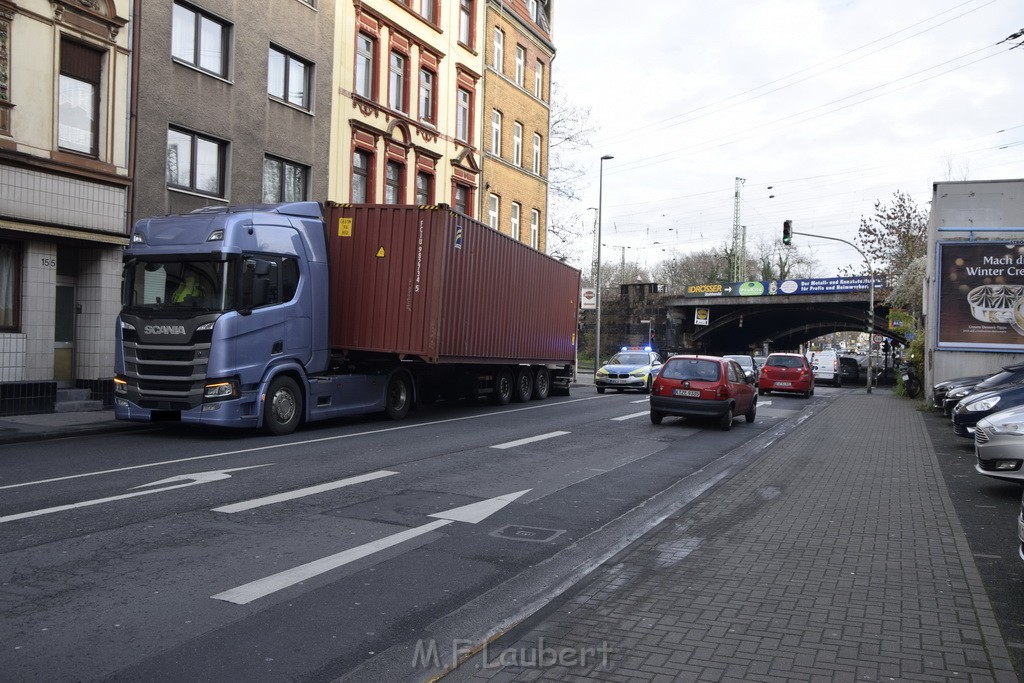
pixel 301 493
pixel 630 417
pixel 643 400
pixel 293 443
pixel 471 514
pixel 188 479
pixel 530 439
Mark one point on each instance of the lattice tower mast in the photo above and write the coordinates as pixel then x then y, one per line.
pixel 739 236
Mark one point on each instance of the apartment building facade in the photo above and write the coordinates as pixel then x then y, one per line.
pixel 407 124
pixel 64 170
pixel 233 103
pixel 517 87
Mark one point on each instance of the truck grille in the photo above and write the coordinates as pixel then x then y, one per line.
pixel 168 377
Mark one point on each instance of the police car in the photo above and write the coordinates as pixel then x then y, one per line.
pixel 633 367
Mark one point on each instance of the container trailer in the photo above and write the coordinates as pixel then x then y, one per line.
pixel 272 315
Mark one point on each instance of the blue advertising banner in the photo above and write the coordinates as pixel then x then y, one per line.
pixel 826 285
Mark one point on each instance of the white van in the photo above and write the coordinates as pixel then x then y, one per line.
pixel 825 365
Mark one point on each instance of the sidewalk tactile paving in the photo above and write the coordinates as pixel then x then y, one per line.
pixel 836 556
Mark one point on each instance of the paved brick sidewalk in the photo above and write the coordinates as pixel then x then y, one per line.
pixel 836 556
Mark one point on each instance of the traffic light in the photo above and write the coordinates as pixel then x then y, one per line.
pixel 870 320
pixel 787 231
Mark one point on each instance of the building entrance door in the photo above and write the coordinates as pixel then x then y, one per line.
pixel 64 335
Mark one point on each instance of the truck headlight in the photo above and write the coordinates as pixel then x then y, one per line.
pixel 120 386
pixel 221 390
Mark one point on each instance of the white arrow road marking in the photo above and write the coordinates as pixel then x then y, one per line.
pixel 532 439
pixel 630 417
pixel 245 451
pixel 472 513
pixel 300 493
pixel 186 479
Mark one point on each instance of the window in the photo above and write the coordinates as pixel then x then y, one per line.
pixel 493 210
pixel 78 108
pixel 396 83
pixel 466 22
pixel 520 65
pixel 284 181
pixel 536 153
pixel 516 209
pixel 289 78
pixel 531 8
pixel 535 229
pixel 364 66
pixel 10 285
pixel 496 132
pixel 538 80
pixel 462 119
pixel 517 144
pixel 499 49
pixel 428 10
pixel 393 172
pixel 199 40
pixel 360 177
pixel 424 188
pixel 462 199
pixel 427 95
pixel 195 162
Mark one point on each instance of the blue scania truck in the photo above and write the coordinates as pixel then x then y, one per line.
pixel 268 316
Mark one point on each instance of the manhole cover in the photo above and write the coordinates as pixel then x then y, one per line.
pixel 527 533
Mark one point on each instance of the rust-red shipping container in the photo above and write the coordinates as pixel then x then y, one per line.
pixel 431 283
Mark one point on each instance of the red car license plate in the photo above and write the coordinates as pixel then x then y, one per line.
pixel 783 384
pixel 693 393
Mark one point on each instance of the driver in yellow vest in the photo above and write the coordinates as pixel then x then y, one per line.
pixel 188 288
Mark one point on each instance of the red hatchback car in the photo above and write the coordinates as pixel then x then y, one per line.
pixel 786 372
pixel 703 386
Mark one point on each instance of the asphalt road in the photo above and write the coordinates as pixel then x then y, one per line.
pixel 193 554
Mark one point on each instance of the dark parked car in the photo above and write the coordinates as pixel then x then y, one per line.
pixel 982 404
pixel 786 372
pixel 1010 374
pixel 702 386
pixel 748 364
pixel 849 368
pixel 940 389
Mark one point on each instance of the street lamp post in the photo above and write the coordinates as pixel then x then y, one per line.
pixel 597 275
pixel 871 300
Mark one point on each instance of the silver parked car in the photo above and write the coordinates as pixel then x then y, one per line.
pixel 999 445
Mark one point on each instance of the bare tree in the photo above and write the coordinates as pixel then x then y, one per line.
pixel 774 261
pixel 568 133
pixel 698 267
pixel 895 235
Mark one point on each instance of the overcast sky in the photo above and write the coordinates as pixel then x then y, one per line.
pixel 833 103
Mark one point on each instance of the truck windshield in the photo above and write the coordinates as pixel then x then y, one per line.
pixel 178 286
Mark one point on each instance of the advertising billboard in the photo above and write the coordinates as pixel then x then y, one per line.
pixel 981 296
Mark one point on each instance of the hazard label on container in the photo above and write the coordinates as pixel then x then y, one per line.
pixel 380 252
pixel 344 227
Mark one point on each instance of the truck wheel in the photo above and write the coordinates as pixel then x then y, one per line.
pixel 524 385
pixel 398 398
pixel 502 394
pixel 282 408
pixel 541 384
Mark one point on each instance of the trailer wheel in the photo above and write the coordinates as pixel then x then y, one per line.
pixel 398 398
pixel 524 385
pixel 541 384
pixel 502 393
pixel 282 407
